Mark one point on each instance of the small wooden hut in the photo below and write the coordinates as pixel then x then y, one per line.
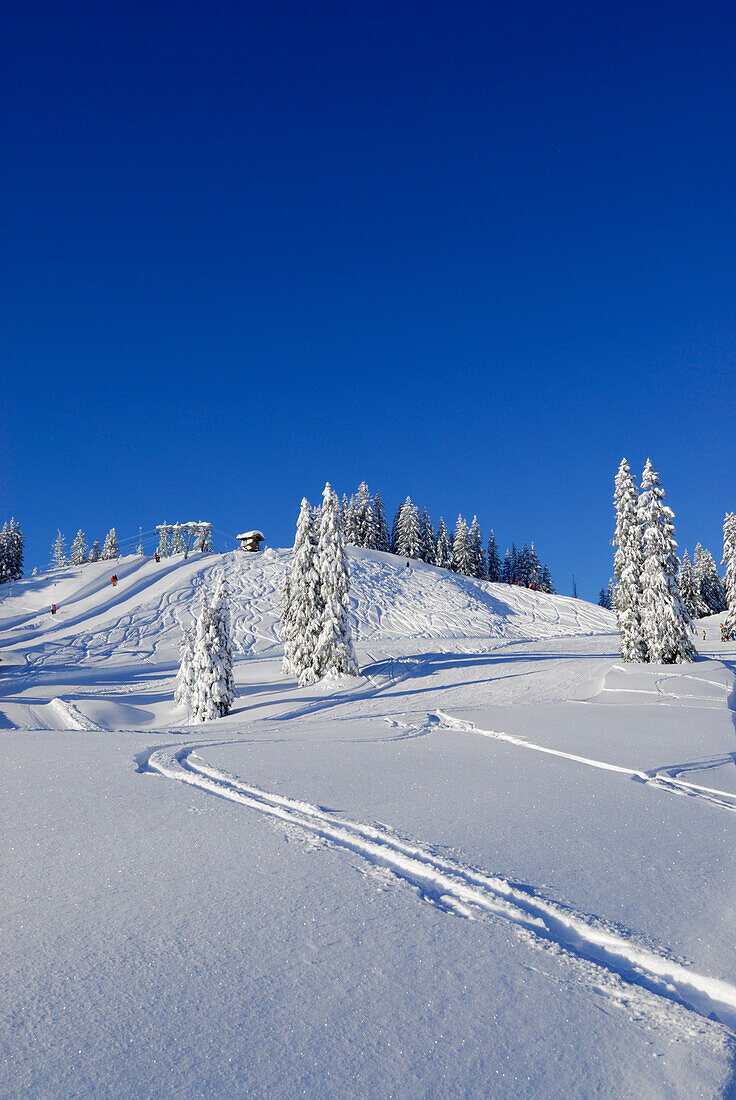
pixel 250 541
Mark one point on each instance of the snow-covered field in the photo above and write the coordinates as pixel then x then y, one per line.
pixel 497 864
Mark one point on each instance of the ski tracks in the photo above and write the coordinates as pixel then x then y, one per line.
pixel 612 956
pixel 663 778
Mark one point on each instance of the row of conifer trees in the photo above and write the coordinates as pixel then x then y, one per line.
pixel 413 536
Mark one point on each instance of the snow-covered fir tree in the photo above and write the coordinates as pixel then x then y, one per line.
pixel 164 541
pixel 664 620
pixel 545 582
pixel 628 566
pixel 334 652
pixel 178 542
pixel 611 593
pixel 690 590
pixel 507 573
pixel 110 549
pixel 185 675
pixel 443 549
pixel 202 703
pixel 78 553
pixel 408 531
pixel 461 554
pixel 494 561
pixel 381 539
pixel 395 529
pixel 708 581
pixel 428 540
pixel 363 516
pixel 286 626
pixel 11 552
pixel 350 524
pixel 535 568
pixel 305 601
pixel 478 565
pixel 223 689
pixel 729 560
pixel 94 554
pixel 58 551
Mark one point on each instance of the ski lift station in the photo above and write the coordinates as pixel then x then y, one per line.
pixel 250 541
pixel 176 538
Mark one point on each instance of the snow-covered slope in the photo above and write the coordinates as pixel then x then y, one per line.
pixel 497 863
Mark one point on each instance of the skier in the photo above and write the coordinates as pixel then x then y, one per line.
pixel 114 579
pixel 156 557
pixel 53 608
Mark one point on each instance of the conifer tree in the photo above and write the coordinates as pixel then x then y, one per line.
pixel 408 531
pixel 603 598
pixel 611 593
pixel 164 541
pixel 729 560
pixel 628 566
pixel 690 590
pixel 477 562
pixel 94 554
pixel 494 561
pixel 708 581
pixel 185 675
pixel 58 551
pixel 286 627
pixel 461 562
pixel 334 652
pixel 202 703
pixel 4 555
pixel 535 569
pixel 178 542
pixel 395 530
pixel 664 620
pixel 111 549
pixel 305 600
pixel 443 551
pixel 381 539
pixel 351 532
pixel 223 688
pixel 508 568
pixel 79 549
pixel 14 551
pixel 428 541
pixel 363 516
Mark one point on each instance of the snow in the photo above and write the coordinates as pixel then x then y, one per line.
pixel 500 862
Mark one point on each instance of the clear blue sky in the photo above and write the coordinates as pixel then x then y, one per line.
pixel 471 252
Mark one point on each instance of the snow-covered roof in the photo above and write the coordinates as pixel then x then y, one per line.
pixel 251 535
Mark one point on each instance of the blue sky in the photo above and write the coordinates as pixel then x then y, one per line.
pixel 471 252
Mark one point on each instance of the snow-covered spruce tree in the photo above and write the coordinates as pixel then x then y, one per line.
pixel 689 589
pixel 94 554
pixel 381 539
pixel 363 512
pixel 428 540
pixel 507 573
pixel 14 551
pixel 286 625
pixel 111 549
pixel 535 569
pixel 305 601
pixel 334 652
pixel 611 592
pixel 164 541
pixel 178 542
pixel 494 561
pixel 545 582
pixel 58 551
pixel 729 560
pixel 221 645
pixel 408 531
pixel 185 675
pixel 708 581
pixel 4 555
pixel 350 524
pixel 395 529
pixel 664 620
pixel 443 549
pixel 78 554
pixel 603 598
pixel 477 553
pixel 461 562
pixel 628 565
pixel 202 703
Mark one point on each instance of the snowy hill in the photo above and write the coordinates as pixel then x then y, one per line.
pixel 497 863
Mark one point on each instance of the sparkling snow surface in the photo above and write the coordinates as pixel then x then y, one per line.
pixel 499 863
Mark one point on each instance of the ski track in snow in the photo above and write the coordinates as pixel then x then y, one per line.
pixel 663 778
pixel 473 894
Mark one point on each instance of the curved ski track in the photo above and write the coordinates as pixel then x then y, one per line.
pixel 470 893
pixel 664 778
